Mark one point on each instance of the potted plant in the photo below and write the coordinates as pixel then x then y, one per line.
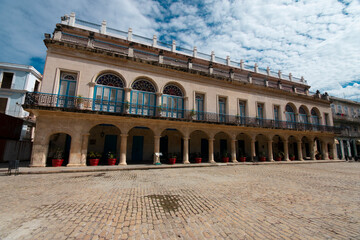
pixel 198 157
pixel 192 114
pixel 80 102
pixel 331 156
pixel 111 158
pixel 225 157
pixel 318 156
pixel 94 158
pixel 172 158
pixel 262 157
pixel 292 157
pixel 242 157
pixel 58 158
pixel 279 156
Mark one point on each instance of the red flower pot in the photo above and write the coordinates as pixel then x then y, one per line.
pixel 242 159
pixel 278 159
pixel 57 162
pixel 225 159
pixel 198 160
pixel 292 158
pixel 172 160
pixel 94 161
pixel 262 159
pixel 111 161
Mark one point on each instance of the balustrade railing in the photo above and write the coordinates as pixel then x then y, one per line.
pixel 36 100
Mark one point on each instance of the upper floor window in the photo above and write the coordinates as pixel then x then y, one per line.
pixel 290 116
pixel 332 108
pixel 242 105
pixel 143 98
pixel 352 112
pixel 358 112
pixel 67 89
pixel 303 118
pixel 7 80
pixel 173 101
pixel 346 110
pixel 109 93
pixel 222 109
pixel 326 116
pixel 315 117
pixel 199 106
pixel 339 109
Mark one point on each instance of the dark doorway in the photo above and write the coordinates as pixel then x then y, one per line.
pixel 205 149
pixel 109 146
pixel 137 149
pixel 223 146
pixel 164 147
pixel 241 148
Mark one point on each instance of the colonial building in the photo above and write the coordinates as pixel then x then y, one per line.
pixel 15 81
pixel 108 90
pixel 346 115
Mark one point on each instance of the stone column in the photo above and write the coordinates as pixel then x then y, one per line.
pixel 233 150
pixel 286 150
pixel 39 153
pixel 325 152
pixel 127 94
pixel 334 151
pixel 342 153
pixel 186 150
pixel 123 148
pixel 270 151
pixel 156 148
pixel 252 146
pixel 211 150
pixel 75 150
pixel 312 149
pixel 300 156
pixel 84 148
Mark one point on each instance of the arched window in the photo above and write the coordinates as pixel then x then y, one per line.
pixel 109 93
pixel 314 117
pixel 302 115
pixel 172 101
pixel 290 116
pixel 143 98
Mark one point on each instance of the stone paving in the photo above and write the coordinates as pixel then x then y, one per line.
pixel 299 201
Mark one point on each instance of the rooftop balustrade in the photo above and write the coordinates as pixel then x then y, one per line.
pixel 36 100
pixel 102 28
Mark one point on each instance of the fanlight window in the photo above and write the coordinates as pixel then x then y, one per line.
pixel 67 76
pixel 289 109
pixel 143 85
pixel 302 110
pixel 314 113
pixel 111 80
pixel 173 90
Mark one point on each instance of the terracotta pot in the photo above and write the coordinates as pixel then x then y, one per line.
pixel 57 162
pixel 225 159
pixel 292 158
pixel 111 161
pixel 242 159
pixel 172 160
pixel 198 160
pixel 94 161
pixel 278 159
pixel 262 159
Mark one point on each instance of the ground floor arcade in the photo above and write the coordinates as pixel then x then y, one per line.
pixel 139 140
pixel 348 148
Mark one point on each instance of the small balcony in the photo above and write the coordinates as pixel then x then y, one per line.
pixel 54 102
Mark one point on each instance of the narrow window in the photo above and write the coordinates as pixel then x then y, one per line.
pixel 199 106
pixel 3 104
pixel 222 109
pixel 7 80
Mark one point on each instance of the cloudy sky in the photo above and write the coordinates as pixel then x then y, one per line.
pixel 317 39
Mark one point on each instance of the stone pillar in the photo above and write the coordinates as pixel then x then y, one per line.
pixel 156 148
pixel 72 19
pixel 325 152
pixel 342 149
pixel 256 68
pixel 154 44
pixel 84 148
pixel 75 150
pixel 127 99
pixel 123 148
pixel 241 64
pixel 39 153
pixel 129 38
pixel 103 27
pixel 211 150
pixel 186 150
pixel 195 52
pixel 334 151
pixel 300 156
pixel 130 52
pixel 211 69
pixel 212 56
pixel 228 60
pixel 286 150
pixel 173 46
pixel 270 151
pixel 312 149
pixel 233 150
pixel 252 146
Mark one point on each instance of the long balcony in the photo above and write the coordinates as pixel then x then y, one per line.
pixel 45 101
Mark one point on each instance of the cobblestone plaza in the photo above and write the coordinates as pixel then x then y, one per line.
pixel 292 201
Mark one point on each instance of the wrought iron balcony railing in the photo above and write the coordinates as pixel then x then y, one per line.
pixel 35 100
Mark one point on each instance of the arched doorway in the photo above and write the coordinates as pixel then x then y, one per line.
pixel 59 148
pixel 293 148
pixel 261 146
pixel 278 148
pixel 222 147
pixel 143 98
pixel 140 145
pixel 306 151
pixel 290 116
pixel 171 145
pixel 109 93
pixel 172 101
pixel 315 119
pixel 243 146
pixel 199 146
pixel 104 140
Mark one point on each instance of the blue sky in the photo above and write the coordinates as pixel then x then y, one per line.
pixel 317 39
